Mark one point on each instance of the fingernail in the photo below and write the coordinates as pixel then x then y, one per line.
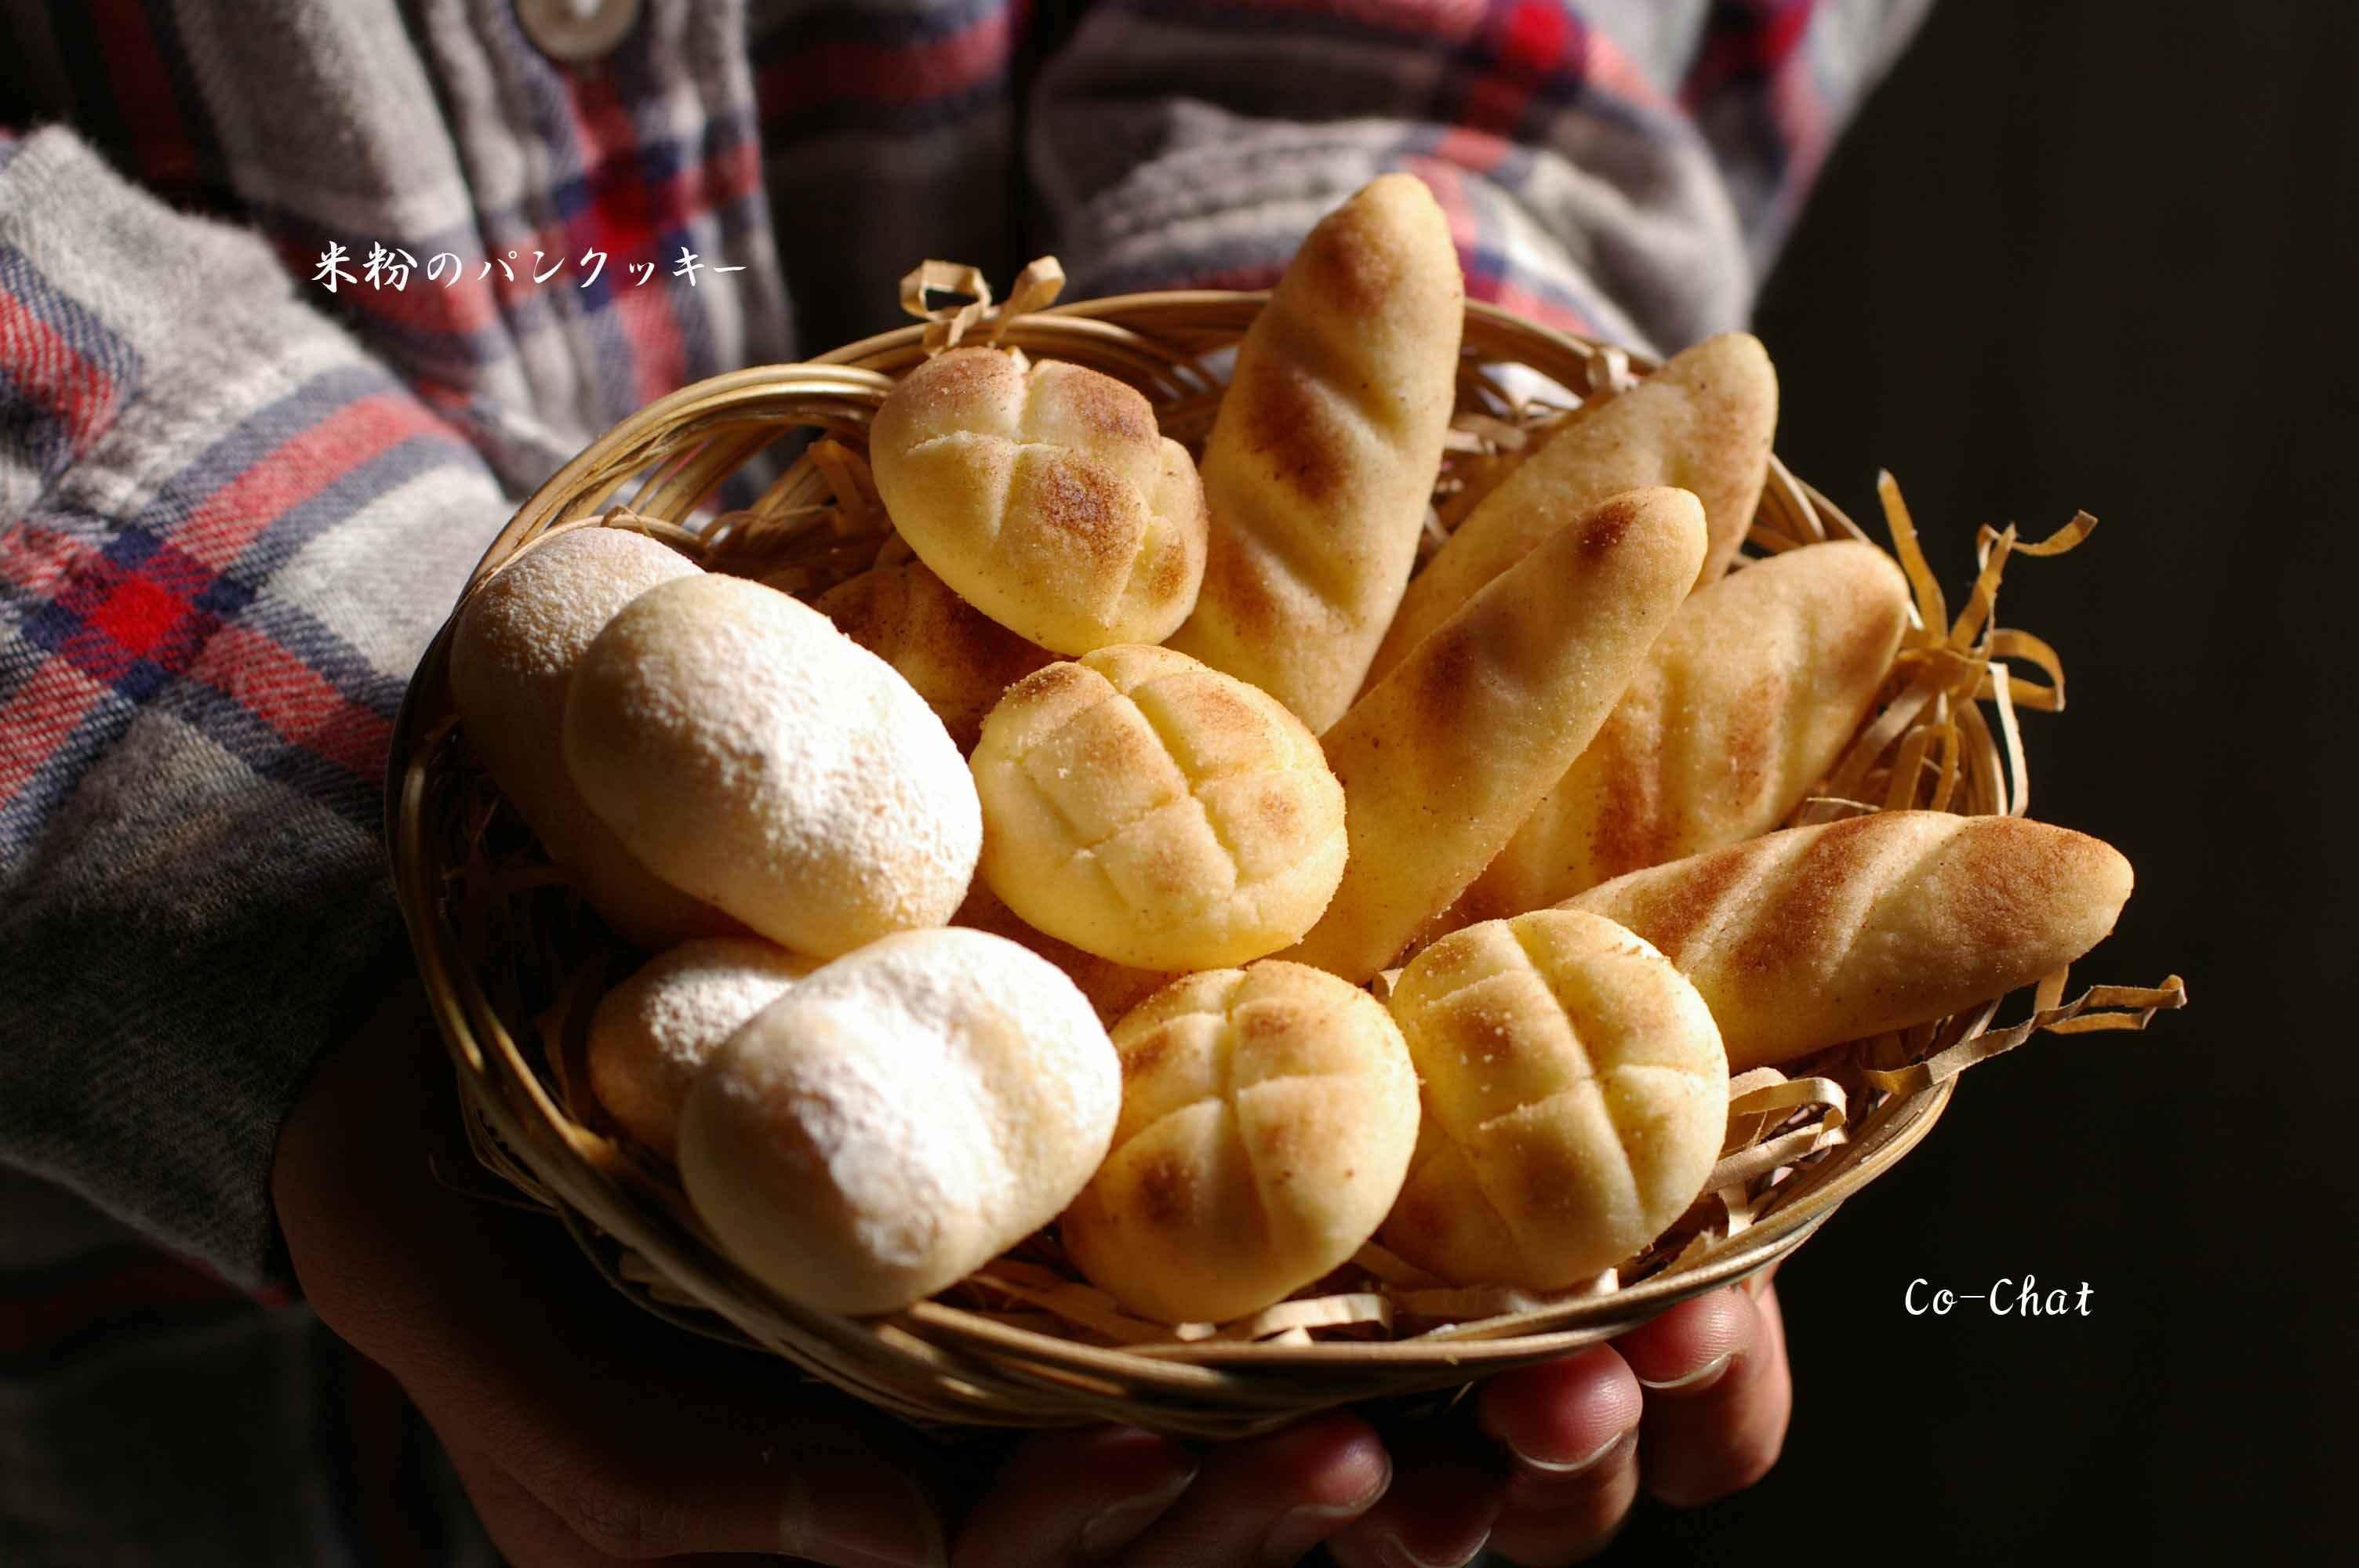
pixel 1300 1529
pixel 1563 1468
pixel 1696 1381
pixel 1116 1527
pixel 906 1534
pixel 1394 1553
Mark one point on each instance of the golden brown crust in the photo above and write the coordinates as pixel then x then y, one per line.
pixel 1081 407
pixel 1359 266
pixel 953 391
pixel 1044 495
pixel 1156 813
pixel 1083 504
pixel 1701 423
pixel 1749 697
pixel 1575 1097
pixel 1322 458
pixel 1301 436
pixel 959 659
pixel 1815 936
pixel 1269 1114
pixel 1441 759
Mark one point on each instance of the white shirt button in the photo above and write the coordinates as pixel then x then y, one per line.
pixel 574 31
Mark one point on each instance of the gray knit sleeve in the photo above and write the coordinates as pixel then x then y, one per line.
pixel 1623 168
pixel 226 533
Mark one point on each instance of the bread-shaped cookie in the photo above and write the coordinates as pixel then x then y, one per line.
pixel 1750 696
pixel 512 657
pixel 1113 989
pixel 1155 811
pixel 753 755
pixel 1575 1098
pixel 959 659
pixel 899 1117
pixel 1443 760
pixel 1815 936
pixel 1701 423
pixel 650 1034
pixel 1323 456
pixel 1043 494
pixel 1267 1115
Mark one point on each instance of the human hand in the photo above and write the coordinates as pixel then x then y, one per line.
pixel 1545 1466
pixel 586 1432
pixel 1691 1407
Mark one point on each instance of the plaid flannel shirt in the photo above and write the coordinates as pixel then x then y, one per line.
pixel 235 500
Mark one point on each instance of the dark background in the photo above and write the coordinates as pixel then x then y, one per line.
pixel 2099 254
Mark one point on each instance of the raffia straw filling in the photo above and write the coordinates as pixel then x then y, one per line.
pixel 1926 745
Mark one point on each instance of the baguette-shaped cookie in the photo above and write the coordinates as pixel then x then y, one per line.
pixel 512 660
pixel 1816 936
pixel 1322 460
pixel 1745 703
pixel 959 659
pixel 1701 423
pixel 1442 758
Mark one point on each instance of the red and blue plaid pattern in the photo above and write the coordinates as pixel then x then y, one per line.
pixel 227 598
pixel 233 505
pixel 169 608
pixel 64 375
pixel 835 97
pixel 228 529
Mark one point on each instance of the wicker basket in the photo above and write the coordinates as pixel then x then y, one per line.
pixel 512 962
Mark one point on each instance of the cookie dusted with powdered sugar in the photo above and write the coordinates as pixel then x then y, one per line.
pixel 899 1118
pixel 756 757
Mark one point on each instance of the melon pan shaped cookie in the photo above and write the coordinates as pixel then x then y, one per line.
pixel 1044 495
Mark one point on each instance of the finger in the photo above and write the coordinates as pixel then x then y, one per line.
pixel 1718 1427
pixel 1686 1349
pixel 1559 1421
pixel 1074 1498
pixel 1437 1513
pixel 1577 1516
pixel 1571 1431
pixel 1268 1500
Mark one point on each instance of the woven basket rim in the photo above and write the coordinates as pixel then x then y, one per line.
pixel 1250 1385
